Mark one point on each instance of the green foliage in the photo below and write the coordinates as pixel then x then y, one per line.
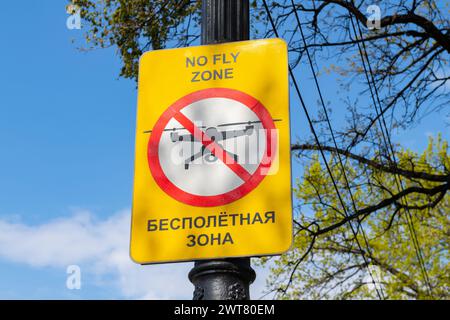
pixel 137 26
pixel 334 268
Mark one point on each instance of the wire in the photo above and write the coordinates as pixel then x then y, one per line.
pixel 388 144
pixel 381 294
pixel 269 15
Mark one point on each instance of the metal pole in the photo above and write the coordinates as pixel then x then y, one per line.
pixel 225 279
pixel 225 21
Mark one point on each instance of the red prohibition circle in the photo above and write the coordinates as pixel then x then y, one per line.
pixel 221 199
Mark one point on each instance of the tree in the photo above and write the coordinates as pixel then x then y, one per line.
pixel 326 262
pixel 401 70
pixel 408 56
pixel 390 73
pixel 138 26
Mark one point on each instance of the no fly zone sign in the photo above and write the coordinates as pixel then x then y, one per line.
pixel 212 163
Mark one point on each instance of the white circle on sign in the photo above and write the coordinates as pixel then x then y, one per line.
pixel 211 178
pixel 212 147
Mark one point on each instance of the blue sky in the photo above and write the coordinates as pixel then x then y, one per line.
pixel 66 165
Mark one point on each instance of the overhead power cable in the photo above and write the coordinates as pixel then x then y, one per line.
pixel 388 144
pixel 305 109
pixel 355 209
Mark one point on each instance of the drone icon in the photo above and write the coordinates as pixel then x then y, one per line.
pixel 216 136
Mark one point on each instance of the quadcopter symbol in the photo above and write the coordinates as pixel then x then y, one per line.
pixel 216 135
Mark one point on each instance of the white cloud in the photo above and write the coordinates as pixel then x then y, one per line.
pixel 100 247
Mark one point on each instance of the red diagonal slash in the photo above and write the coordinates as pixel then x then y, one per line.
pixel 213 146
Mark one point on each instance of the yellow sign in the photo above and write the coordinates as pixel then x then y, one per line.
pixel 212 164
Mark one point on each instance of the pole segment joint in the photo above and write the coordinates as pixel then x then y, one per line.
pixel 227 279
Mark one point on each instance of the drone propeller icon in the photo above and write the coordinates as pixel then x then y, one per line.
pixel 216 136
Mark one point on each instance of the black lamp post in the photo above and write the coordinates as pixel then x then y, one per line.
pixel 225 279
